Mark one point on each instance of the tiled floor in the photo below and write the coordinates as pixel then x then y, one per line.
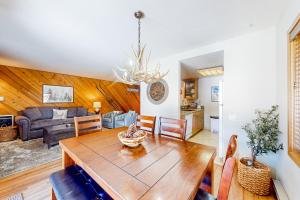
pixel 206 137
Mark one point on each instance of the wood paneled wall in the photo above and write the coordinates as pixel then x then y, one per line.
pixel 23 88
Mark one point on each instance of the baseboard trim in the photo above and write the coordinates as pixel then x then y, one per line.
pixel 279 190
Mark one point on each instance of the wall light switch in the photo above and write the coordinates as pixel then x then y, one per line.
pixel 1 98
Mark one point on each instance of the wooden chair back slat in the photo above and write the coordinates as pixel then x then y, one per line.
pixel 87 118
pixel 143 124
pixel 177 131
pixel 146 123
pixel 87 124
pixel 226 179
pixel 148 118
pixel 172 129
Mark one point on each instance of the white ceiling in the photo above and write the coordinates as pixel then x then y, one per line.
pixel 189 66
pixel 90 37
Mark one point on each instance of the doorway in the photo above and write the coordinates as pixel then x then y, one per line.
pixel 208 71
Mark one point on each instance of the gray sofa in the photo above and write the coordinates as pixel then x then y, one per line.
pixel 32 120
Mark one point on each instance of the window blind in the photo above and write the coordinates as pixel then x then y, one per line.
pixel 296 64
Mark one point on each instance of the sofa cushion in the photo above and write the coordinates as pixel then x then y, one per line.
pixel 60 114
pixel 47 112
pixel 38 124
pixel 33 113
pixel 68 121
pixel 72 111
pixel 81 111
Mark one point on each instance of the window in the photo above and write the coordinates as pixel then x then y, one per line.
pixel 294 93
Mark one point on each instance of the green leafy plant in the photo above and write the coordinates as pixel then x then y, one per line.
pixel 263 133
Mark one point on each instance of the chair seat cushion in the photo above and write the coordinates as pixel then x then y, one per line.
pixel 202 195
pixel 74 183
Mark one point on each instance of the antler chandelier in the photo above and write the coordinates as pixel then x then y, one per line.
pixel 138 71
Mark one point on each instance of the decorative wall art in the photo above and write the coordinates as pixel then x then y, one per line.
pixel 157 92
pixel 215 93
pixel 58 94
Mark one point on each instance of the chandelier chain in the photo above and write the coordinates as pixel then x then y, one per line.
pixel 139 35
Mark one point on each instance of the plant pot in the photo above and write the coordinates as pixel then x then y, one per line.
pixel 256 179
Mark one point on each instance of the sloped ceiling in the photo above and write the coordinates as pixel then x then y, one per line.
pixel 90 37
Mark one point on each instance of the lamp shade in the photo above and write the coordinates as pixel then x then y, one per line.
pixel 97 104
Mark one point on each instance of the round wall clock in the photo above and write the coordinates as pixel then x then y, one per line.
pixel 157 92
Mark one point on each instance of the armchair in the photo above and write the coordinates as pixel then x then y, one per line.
pixel 125 119
pixel 108 119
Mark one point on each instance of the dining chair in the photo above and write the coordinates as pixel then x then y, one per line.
pixel 225 183
pixel 87 124
pixel 146 123
pixel 231 149
pixel 172 127
pixel 232 146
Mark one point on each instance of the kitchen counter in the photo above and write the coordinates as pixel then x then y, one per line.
pixel 186 112
pixel 195 121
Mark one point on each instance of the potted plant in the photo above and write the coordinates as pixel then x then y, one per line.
pixel 263 135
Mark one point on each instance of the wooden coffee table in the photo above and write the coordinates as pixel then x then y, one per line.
pixel 53 134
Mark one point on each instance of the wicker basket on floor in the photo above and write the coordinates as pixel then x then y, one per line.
pixel 255 179
pixel 8 133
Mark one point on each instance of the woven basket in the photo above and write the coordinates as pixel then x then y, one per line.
pixel 255 179
pixel 7 133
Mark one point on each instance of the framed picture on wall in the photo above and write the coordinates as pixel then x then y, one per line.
pixel 215 93
pixel 58 94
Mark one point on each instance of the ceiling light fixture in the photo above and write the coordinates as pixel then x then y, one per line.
pixel 212 71
pixel 138 71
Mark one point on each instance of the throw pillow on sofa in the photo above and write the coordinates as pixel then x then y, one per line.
pixel 72 111
pixel 33 113
pixel 81 111
pixel 60 114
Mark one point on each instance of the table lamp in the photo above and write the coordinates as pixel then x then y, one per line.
pixel 97 106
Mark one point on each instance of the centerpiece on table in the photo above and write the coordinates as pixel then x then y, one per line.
pixel 132 137
pixel 263 138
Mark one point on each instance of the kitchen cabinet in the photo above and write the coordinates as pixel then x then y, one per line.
pixel 190 89
pixel 195 121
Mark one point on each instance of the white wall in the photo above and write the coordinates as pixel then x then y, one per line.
pixel 288 172
pixel 171 106
pixel 204 94
pixel 255 78
pixel 249 82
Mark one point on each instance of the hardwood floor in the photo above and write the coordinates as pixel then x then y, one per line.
pixel 34 184
pixel 237 192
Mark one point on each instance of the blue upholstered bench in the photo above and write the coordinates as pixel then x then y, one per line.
pixel 74 183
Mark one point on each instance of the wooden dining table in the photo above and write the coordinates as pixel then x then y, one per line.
pixel 160 168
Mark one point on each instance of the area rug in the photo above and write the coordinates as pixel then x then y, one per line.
pixel 18 155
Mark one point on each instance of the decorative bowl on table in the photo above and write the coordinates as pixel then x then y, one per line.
pixel 132 137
